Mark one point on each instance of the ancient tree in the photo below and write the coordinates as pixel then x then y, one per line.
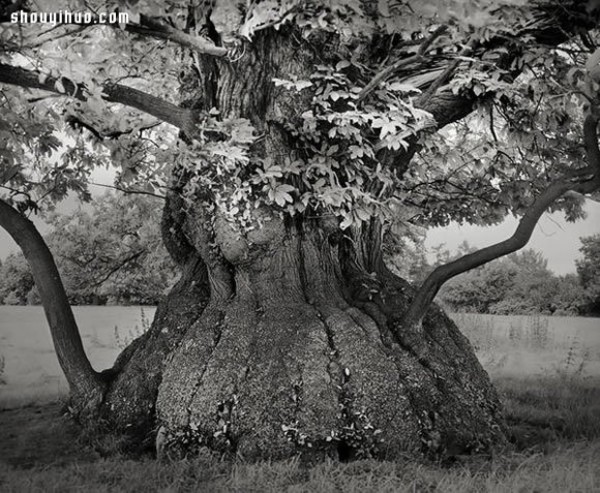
pixel 296 134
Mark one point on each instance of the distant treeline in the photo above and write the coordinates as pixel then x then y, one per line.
pixel 111 253
pixel 518 284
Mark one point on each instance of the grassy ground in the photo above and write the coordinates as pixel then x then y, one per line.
pixel 555 446
pixel 554 441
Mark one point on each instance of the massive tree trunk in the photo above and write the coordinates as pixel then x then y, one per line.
pixel 284 339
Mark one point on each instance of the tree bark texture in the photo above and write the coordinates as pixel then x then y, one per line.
pixel 280 340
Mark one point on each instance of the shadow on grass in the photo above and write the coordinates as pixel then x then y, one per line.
pixel 554 446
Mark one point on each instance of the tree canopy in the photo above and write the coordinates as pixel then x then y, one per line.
pixel 517 67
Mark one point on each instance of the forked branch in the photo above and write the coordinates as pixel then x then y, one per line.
pixel 156 28
pixel 387 72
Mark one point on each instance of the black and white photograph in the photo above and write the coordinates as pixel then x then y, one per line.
pixel 300 246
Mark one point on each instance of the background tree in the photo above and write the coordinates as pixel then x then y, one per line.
pixel 108 252
pixel 571 297
pixel 520 283
pixel 588 269
pixel 112 253
pixel 16 281
pixel 304 130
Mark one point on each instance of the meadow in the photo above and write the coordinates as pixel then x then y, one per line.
pixel 547 370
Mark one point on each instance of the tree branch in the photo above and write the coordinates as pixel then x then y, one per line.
pixel 555 24
pixel 83 381
pixel 148 26
pixel 114 93
pixel 586 180
pixel 390 70
pixel 158 29
pixel 130 190
pixel 447 73
pixel 107 275
pixel 79 124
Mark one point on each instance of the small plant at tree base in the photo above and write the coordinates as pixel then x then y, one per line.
pixel 188 440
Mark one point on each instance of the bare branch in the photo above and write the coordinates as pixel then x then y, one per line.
pixel 130 191
pixel 78 123
pixel 107 275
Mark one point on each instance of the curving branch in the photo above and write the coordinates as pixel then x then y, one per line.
pixel 85 383
pixel 165 111
pixel 156 28
pixel 107 275
pixel 586 180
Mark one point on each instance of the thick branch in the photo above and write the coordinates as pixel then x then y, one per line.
pixel 114 93
pixel 158 29
pixel 148 26
pixel 555 24
pixel 83 380
pixel 586 180
pixel 518 240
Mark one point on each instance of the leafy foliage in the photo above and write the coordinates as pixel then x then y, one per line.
pixel 520 283
pixel 110 253
pixel 16 281
pixel 345 135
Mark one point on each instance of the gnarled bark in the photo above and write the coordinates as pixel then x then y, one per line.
pixel 292 363
pixel 291 348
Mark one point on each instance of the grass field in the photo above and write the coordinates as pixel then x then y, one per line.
pixel 547 372
pixel 31 370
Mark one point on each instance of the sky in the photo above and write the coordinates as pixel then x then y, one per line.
pixel 554 237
